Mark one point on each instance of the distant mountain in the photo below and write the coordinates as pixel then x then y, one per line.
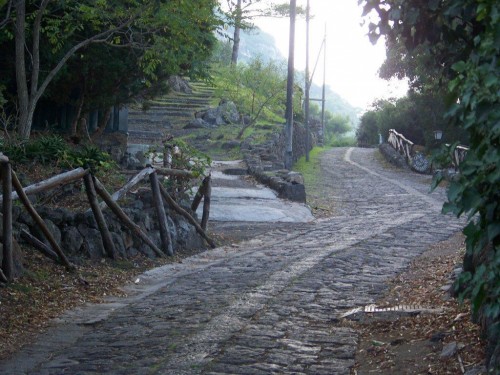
pixel 259 43
pixel 255 43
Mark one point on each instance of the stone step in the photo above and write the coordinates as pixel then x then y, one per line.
pixel 178 103
pixel 162 114
pixel 170 112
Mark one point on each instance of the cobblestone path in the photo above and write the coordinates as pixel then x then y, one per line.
pixel 269 306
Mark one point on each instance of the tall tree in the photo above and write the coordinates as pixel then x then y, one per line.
pixel 29 88
pixel 48 33
pixel 241 13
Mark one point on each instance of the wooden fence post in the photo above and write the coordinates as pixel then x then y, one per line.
pixel 206 204
pixel 101 190
pixel 166 240
pixel 170 201
pixel 31 210
pixel 107 241
pixel 7 259
pixel 199 194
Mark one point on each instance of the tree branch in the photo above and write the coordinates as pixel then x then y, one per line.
pixel 98 38
pixel 37 24
pixel 6 19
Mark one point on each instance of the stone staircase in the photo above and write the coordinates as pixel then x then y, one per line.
pixel 167 114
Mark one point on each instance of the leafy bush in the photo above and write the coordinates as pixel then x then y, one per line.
pixel 461 41
pixel 183 156
pixel 53 149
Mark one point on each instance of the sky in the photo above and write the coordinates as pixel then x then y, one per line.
pixel 352 61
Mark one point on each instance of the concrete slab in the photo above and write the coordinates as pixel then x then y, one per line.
pixel 240 199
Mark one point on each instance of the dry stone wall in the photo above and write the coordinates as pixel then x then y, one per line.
pixel 78 235
pixel 265 161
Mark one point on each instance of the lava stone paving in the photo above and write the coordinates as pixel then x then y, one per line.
pixel 270 305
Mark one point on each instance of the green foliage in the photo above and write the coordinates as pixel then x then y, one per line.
pixel 461 39
pixel 104 52
pixel 309 170
pixel 477 192
pixel 368 129
pixel 183 156
pixel 342 141
pixel 416 116
pixel 258 89
pixel 89 156
pixel 53 149
pixel 336 126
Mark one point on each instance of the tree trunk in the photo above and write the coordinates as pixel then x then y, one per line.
pixel 245 127
pixel 21 80
pixel 30 95
pixel 236 36
pixel 74 123
pixel 103 122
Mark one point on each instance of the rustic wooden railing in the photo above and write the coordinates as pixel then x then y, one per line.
pixel 93 188
pixel 458 156
pixel 401 144
pixel 405 148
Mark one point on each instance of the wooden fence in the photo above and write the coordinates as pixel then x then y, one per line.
pixel 94 188
pixel 458 156
pixel 401 144
pixel 405 148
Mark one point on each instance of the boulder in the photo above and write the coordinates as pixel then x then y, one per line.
pixel 178 84
pixel 197 123
pixel 225 113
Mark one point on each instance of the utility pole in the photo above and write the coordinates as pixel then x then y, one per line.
pixel 307 86
pixel 323 93
pixel 289 88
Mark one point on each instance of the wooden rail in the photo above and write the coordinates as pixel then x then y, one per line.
pixel 9 179
pixel 401 144
pixel 405 148
pixel 459 154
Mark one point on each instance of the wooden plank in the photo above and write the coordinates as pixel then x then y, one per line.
pixel 175 172
pixel 3 158
pixel 133 182
pixel 116 196
pixel 51 183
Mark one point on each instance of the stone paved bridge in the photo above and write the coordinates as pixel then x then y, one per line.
pixel 270 306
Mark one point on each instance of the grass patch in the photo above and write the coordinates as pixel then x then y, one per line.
pixel 321 204
pixel 310 170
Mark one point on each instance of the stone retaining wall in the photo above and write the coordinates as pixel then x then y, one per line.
pixel 265 162
pixel 78 235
